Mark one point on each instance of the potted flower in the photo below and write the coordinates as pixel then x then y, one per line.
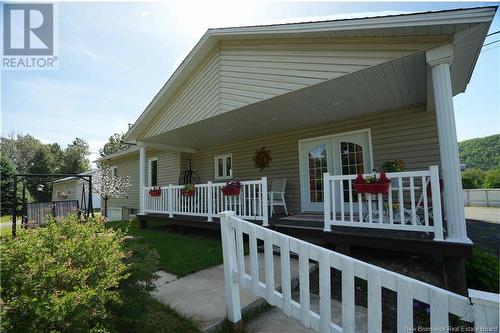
pixel 188 190
pixel 155 191
pixel 394 166
pixel 372 184
pixel 232 187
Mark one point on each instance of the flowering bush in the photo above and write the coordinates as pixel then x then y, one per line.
pixel 62 278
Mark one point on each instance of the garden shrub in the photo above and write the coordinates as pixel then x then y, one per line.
pixel 62 278
pixel 483 271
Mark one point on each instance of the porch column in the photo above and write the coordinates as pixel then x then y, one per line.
pixel 142 176
pixel 440 60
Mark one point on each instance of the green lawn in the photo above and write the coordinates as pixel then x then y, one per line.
pixel 179 254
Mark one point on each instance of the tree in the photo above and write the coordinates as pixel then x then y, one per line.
pixel 472 178
pixel 481 153
pixel 108 186
pixel 74 158
pixel 6 184
pixel 43 162
pixel 492 179
pixel 114 144
pixel 20 150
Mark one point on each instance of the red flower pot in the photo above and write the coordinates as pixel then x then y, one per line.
pixel 231 190
pixel 187 193
pixel 155 193
pixel 373 188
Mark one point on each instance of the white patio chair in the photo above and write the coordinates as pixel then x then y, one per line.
pixel 277 194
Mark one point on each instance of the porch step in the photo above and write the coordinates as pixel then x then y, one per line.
pixel 275 321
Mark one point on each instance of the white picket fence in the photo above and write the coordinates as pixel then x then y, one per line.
pixel 407 205
pixel 208 200
pixel 442 302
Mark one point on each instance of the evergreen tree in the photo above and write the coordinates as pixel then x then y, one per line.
pixel 6 185
pixel 74 159
pixel 113 145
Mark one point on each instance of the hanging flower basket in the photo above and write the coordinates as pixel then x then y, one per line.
pixel 372 185
pixel 155 192
pixel 232 187
pixel 188 190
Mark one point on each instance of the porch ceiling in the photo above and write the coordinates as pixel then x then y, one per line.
pixel 387 86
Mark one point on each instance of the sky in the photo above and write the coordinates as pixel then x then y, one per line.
pixel 114 57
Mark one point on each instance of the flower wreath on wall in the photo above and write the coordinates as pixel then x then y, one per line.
pixel 262 158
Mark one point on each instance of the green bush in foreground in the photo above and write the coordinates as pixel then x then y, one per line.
pixel 62 278
pixel 483 271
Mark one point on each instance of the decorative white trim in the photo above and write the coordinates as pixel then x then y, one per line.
pixel 142 176
pixel 440 55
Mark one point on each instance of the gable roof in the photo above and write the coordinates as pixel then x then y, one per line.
pixel 392 25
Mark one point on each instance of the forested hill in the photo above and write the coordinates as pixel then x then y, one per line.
pixel 481 153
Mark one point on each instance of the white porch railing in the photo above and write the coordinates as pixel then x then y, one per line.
pixel 442 302
pixel 408 205
pixel 208 201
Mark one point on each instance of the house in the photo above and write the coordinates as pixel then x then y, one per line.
pixel 329 100
pixel 74 189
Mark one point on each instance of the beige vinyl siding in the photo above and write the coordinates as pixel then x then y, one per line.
pixel 253 71
pixel 408 134
pixel 168 173
pixel 240 73
pixel 198 99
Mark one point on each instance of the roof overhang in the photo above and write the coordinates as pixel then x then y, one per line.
pixel 446 22
pixel 119 154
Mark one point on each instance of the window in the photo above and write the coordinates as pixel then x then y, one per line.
pixel 114 171
pixel 153 171
pixel 224 166
pixel 352 164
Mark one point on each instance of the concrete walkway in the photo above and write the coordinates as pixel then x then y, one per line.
pixel 275 320
pixel 487 214
pixel 201 296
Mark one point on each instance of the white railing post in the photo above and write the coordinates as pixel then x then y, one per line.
pixel 230 267
pixel 265 212
pixel 170 193
pixel 210 201
pixel 436 202
pixel 326 202
pixel 142 178
pixel 485 307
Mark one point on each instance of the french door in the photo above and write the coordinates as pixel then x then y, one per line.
pixel 341 154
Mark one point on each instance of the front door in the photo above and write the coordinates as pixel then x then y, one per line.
pixel 316 158
pixel 340 154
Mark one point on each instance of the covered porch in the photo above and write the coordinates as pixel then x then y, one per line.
pixel 422 80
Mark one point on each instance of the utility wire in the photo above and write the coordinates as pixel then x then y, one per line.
pixel 493 33
pixel 491 43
